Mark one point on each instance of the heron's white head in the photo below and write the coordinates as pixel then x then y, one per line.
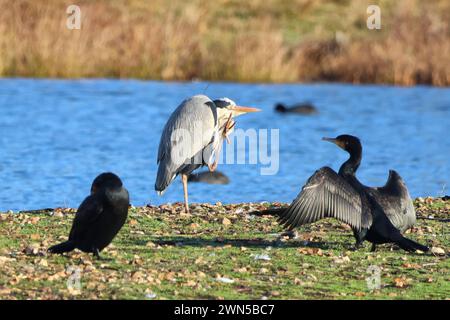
pixel 227 107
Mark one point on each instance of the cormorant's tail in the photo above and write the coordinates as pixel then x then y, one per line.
pixel 62 247
pixel 409 245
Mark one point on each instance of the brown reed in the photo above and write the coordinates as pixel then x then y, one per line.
pixel 248 41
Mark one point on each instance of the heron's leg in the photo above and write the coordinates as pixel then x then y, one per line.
pixel 184 179
pixel 374 247
pixel 231 126
pixel 213 167
pixel 228 131
pixel 228 127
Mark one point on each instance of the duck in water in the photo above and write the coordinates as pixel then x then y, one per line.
pixel 301 108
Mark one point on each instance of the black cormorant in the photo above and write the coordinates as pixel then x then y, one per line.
pixel 99 218
pixel 377 215
pixel 214 177
pixel 301 108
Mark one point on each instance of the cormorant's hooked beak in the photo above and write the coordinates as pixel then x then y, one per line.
pixel 238 110
pixel 335 141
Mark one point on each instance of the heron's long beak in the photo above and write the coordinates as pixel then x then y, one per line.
pixel 238 110
pixel 335 141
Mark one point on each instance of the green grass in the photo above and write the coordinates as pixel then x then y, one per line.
pixel 176 256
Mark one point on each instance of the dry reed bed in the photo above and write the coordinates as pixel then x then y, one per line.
pixel 257 40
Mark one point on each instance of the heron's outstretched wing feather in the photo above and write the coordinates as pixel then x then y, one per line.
pixel 325 194
pixel 188 131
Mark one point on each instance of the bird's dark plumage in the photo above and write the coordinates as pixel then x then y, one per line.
pixel 214 177
pixel 326 194
pixel 301 108
pixel 99 218
pixel 378 215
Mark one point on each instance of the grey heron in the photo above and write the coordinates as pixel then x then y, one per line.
pixel 193 137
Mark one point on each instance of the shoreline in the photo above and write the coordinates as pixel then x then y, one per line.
pixel 178 206
pixel 221 252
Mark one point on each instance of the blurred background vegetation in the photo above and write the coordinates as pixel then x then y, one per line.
pixel 231 40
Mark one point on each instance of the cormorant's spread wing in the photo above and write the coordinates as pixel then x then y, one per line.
pixel 325 194
pixel 88 212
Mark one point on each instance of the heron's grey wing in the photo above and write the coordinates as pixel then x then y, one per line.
pixel 88 212
pixel 190 128
pixel 395 201
pixel 181 118
pixel 325 194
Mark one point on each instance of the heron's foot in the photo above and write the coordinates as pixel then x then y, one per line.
pixel 229 125
pixel 374 247
pixel 357 246
pixel 228 133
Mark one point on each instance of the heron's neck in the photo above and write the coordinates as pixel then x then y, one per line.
pixel 350 166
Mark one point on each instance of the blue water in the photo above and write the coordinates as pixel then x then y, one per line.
pixel 57 135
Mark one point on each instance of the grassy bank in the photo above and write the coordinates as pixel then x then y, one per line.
pixel 256 40
pixel 220 252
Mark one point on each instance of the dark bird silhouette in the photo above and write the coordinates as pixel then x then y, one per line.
pixel 209 177
pixel 378 215
pixel 99 218
pixel 301 108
